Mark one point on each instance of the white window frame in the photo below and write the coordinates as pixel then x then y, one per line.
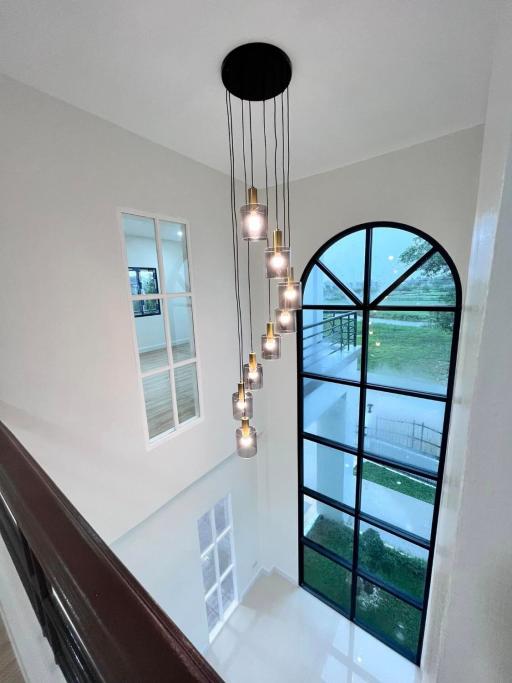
pixel 223 614
pixel 179 427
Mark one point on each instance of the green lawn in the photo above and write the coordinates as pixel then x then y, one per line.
pixel 403 483
pixel 406 349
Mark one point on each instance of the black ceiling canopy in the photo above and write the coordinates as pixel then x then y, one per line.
pixel 256 71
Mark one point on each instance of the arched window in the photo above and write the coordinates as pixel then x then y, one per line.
pixel 377 346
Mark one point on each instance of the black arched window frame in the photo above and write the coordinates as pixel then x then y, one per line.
pixel 365 307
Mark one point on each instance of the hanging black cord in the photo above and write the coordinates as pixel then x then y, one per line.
pixel 266 188
pixel 231 160
pixel 283 172
pixel 243 151
pixel 248 241
pixel 275 162
pixel 235 232
pixel 288 162
pixel 250 137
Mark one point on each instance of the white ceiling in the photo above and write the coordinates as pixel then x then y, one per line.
pixel 370 76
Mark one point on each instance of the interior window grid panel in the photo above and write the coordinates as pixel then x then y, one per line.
pixel 169 375
pixel 393 540
pixel 225 572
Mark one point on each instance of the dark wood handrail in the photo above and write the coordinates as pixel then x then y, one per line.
pixel 118 630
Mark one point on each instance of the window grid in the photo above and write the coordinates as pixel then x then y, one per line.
pixel 366 306
pixel 224 611
pixel 163 297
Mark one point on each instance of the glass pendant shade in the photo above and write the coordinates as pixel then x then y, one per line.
pixel 253 218
pixel 246 440
pixel 277 257
pixel 270 344
pixel 290 293
pixel 253 373
pixel 242 403
pixel 285 321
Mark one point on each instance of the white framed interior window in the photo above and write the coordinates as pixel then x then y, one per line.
pixel 157 259
pixel 215 530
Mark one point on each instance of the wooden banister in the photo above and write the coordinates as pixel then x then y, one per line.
pixel 102 625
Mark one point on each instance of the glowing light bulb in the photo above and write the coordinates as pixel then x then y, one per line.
pixel 270 344
pixel 254 222
pixel 371 331
pixel 240 405
pixel 285 317
pixel 246 441
pixel 277 261
pixel 391 258
pixel 290 293
pixel 377 343
pixel 252 375
pixel 180 233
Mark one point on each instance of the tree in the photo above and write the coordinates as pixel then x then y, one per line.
pixel 436 265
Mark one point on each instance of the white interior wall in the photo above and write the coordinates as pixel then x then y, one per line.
pixel 170 538
pixel 70 387
pixel 431 186
pixel 471 616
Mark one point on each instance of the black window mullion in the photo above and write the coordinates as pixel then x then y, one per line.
pixel 366 306
pixel 379 459
pixel 362 411
pixel 327 500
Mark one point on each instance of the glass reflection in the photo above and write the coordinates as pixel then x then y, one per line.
pixel 393 560
pixel 331 411
pixel 332 343
pixel 403 500
pixel 405 429
pixel 330 528
pixel 321 290
pixel 330 472
pixel 328 578
pixel 410 349
pixel 390 617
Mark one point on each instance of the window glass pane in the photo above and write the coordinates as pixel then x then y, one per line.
pixel 208 569
pixel 393 251
pixel 328 578
pixel 151 340
pixel 204 529
pixel 182 328
pixel 388 616
pixel 320 290
pixel 186 392
pixel 173 240
pixel 157 397
pixel 430 285
pixel 139 235
pixel 392 559
pixel 332 343
pixel 404 428
pixel 410 349
pixel 221 514
pixel 330 472
pixel 404 500
pixel 329 527
pixel 227 589
pixel 212 611
pixel 331 411
pixel 224 550
pixel 345 258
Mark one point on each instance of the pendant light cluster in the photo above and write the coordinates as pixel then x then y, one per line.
pixel 258 75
